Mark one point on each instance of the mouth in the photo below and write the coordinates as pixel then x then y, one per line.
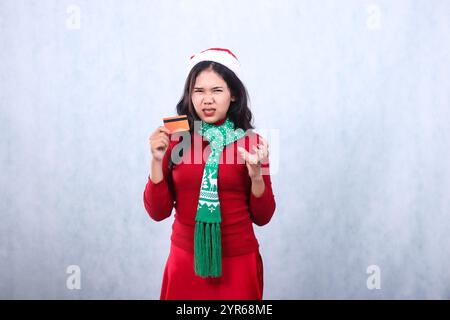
pixel 208 112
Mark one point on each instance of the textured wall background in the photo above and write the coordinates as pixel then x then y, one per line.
pixel 357 90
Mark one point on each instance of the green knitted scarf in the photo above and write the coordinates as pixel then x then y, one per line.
pixel 207 240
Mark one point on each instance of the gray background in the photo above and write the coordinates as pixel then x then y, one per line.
pixel 356 96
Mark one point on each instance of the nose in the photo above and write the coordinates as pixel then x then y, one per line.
pixel 208 99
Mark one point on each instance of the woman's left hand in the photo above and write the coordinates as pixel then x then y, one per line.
pixel 253 160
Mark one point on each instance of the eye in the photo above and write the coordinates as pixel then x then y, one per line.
pixel 217 90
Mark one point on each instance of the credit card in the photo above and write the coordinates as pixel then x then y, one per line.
pixel 177 123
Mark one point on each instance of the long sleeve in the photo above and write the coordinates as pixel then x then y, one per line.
pixel 158 197
pixel 263 207
pixel 240 209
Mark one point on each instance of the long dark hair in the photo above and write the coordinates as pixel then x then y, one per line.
pixel 238 112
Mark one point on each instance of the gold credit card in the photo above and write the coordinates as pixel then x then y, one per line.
pixel 177 123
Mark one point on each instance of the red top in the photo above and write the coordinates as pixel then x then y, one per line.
pixel 239 207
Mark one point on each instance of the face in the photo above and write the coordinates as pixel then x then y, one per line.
pixel 211 96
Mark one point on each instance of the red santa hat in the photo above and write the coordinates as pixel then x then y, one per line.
pixel 219 55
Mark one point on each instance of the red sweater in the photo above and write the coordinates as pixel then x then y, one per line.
pixel 239 207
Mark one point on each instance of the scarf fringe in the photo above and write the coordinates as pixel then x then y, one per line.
pixel 207 250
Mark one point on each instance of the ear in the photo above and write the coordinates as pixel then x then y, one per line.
pixel 233 99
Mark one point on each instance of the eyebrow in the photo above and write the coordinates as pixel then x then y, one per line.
pixel 217 87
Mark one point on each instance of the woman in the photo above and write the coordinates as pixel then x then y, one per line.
pixel 218 190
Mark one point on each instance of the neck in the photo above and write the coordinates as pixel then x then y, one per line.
pixel 219 122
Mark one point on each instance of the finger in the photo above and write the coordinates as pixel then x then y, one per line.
pixel 258 152
pixel 163 144
pixel 153 135
pixel 166 143
pixel 264 143
pixel 164 134
pixel 263 151
pixel 264 146
pixel 259 155
pixel 160 147
pixel 158 131
pixel 160 136
pixel 164 129
pixel 164 137
pixel 260 147
pixel 253 158
pixel 243 153
pixel 161 139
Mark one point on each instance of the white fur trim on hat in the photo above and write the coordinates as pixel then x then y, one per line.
pixel 220 55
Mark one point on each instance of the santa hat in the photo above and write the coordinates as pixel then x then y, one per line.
pixel 219 55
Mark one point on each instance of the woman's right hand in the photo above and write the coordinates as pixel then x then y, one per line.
pixel 159 142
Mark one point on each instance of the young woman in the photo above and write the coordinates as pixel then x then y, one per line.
pixel 218 189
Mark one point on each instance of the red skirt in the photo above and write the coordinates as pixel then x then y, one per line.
pixel 242 278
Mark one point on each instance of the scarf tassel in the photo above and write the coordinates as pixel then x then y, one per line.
pixel 207 250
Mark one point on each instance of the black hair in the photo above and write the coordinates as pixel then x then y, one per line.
pixel 238 112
